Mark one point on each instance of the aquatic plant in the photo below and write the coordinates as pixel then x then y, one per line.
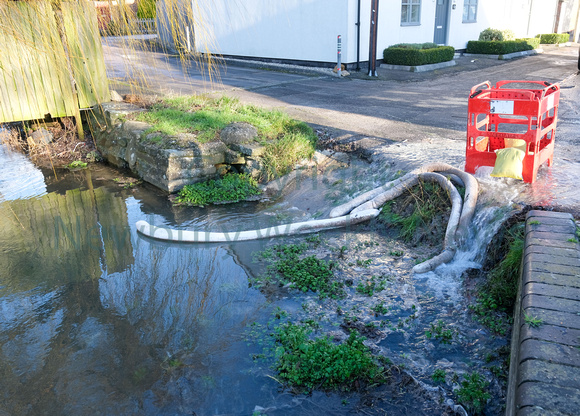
pixel 319 363
pixel 438 376
pixel 288 265
pixel 380 309
pixel 473 392
pixel 77 164
pixel 231 188
pixel 370 286
pixel 440 332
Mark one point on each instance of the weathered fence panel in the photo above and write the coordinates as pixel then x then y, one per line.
pixel 85 52
pixel 38 65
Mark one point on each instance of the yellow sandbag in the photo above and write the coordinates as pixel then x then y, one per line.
pixel 508 163
pixel 517 143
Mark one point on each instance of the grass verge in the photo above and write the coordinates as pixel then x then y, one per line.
pixel 286 140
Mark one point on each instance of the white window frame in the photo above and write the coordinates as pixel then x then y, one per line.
pixel 469 17
pixel 406 20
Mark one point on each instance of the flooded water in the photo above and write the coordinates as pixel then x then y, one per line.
pixel 99 320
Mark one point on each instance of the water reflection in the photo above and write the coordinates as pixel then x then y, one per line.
pixel 96 320
pixel 54 239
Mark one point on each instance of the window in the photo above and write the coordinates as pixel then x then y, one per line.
pixel 469 11
pixel 410 12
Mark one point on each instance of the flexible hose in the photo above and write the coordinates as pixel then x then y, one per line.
pixel 360 209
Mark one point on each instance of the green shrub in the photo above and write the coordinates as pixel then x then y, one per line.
pixel 491 35
pixel 231 188
pixel 554 38
pixel 496 35
pixel 319 363
pixel 499 47
pixel 415 54
pixel 508 34
pixel 534 43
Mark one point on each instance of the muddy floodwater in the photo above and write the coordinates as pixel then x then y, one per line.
pixel 96 319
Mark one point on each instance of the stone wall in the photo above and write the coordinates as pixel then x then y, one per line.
pixel 127 144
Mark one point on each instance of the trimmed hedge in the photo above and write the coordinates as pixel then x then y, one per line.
pixel 501 48
pixel 402 54
pixel 554 38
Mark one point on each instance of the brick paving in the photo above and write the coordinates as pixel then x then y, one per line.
pixel 545 362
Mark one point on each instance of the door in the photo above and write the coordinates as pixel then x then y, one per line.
pixel 441 20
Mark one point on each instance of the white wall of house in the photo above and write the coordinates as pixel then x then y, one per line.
pixel 307 29
pixel 283 29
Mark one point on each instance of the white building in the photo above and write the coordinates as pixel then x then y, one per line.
pixel 307 30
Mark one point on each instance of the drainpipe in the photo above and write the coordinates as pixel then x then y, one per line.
pixel 373 38
pixel 358 38
pixel 530 17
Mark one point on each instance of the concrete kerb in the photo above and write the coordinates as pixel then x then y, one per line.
pixel 506 56
pixel 419 68
pixel 549 289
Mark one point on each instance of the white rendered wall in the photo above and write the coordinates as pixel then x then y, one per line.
pixel 279 29
pixel 307 29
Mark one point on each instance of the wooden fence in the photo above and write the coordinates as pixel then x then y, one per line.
pixel 51 61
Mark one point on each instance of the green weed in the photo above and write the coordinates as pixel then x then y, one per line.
pixel 303 273
pixel 369 287
pixel 380 309
pixel 440 332
pixel 364 263
pixel 319 363
pixel 438 376
pixel 473 392
pixel 497 295
pixel 231 188
pixel 532 321
pixel 77 164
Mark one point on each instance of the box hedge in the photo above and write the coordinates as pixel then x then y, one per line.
pixel 554 38
pixel 501 48
pixel 414 54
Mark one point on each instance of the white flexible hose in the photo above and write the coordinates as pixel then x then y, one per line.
pixel 188 236
pixel 360 209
